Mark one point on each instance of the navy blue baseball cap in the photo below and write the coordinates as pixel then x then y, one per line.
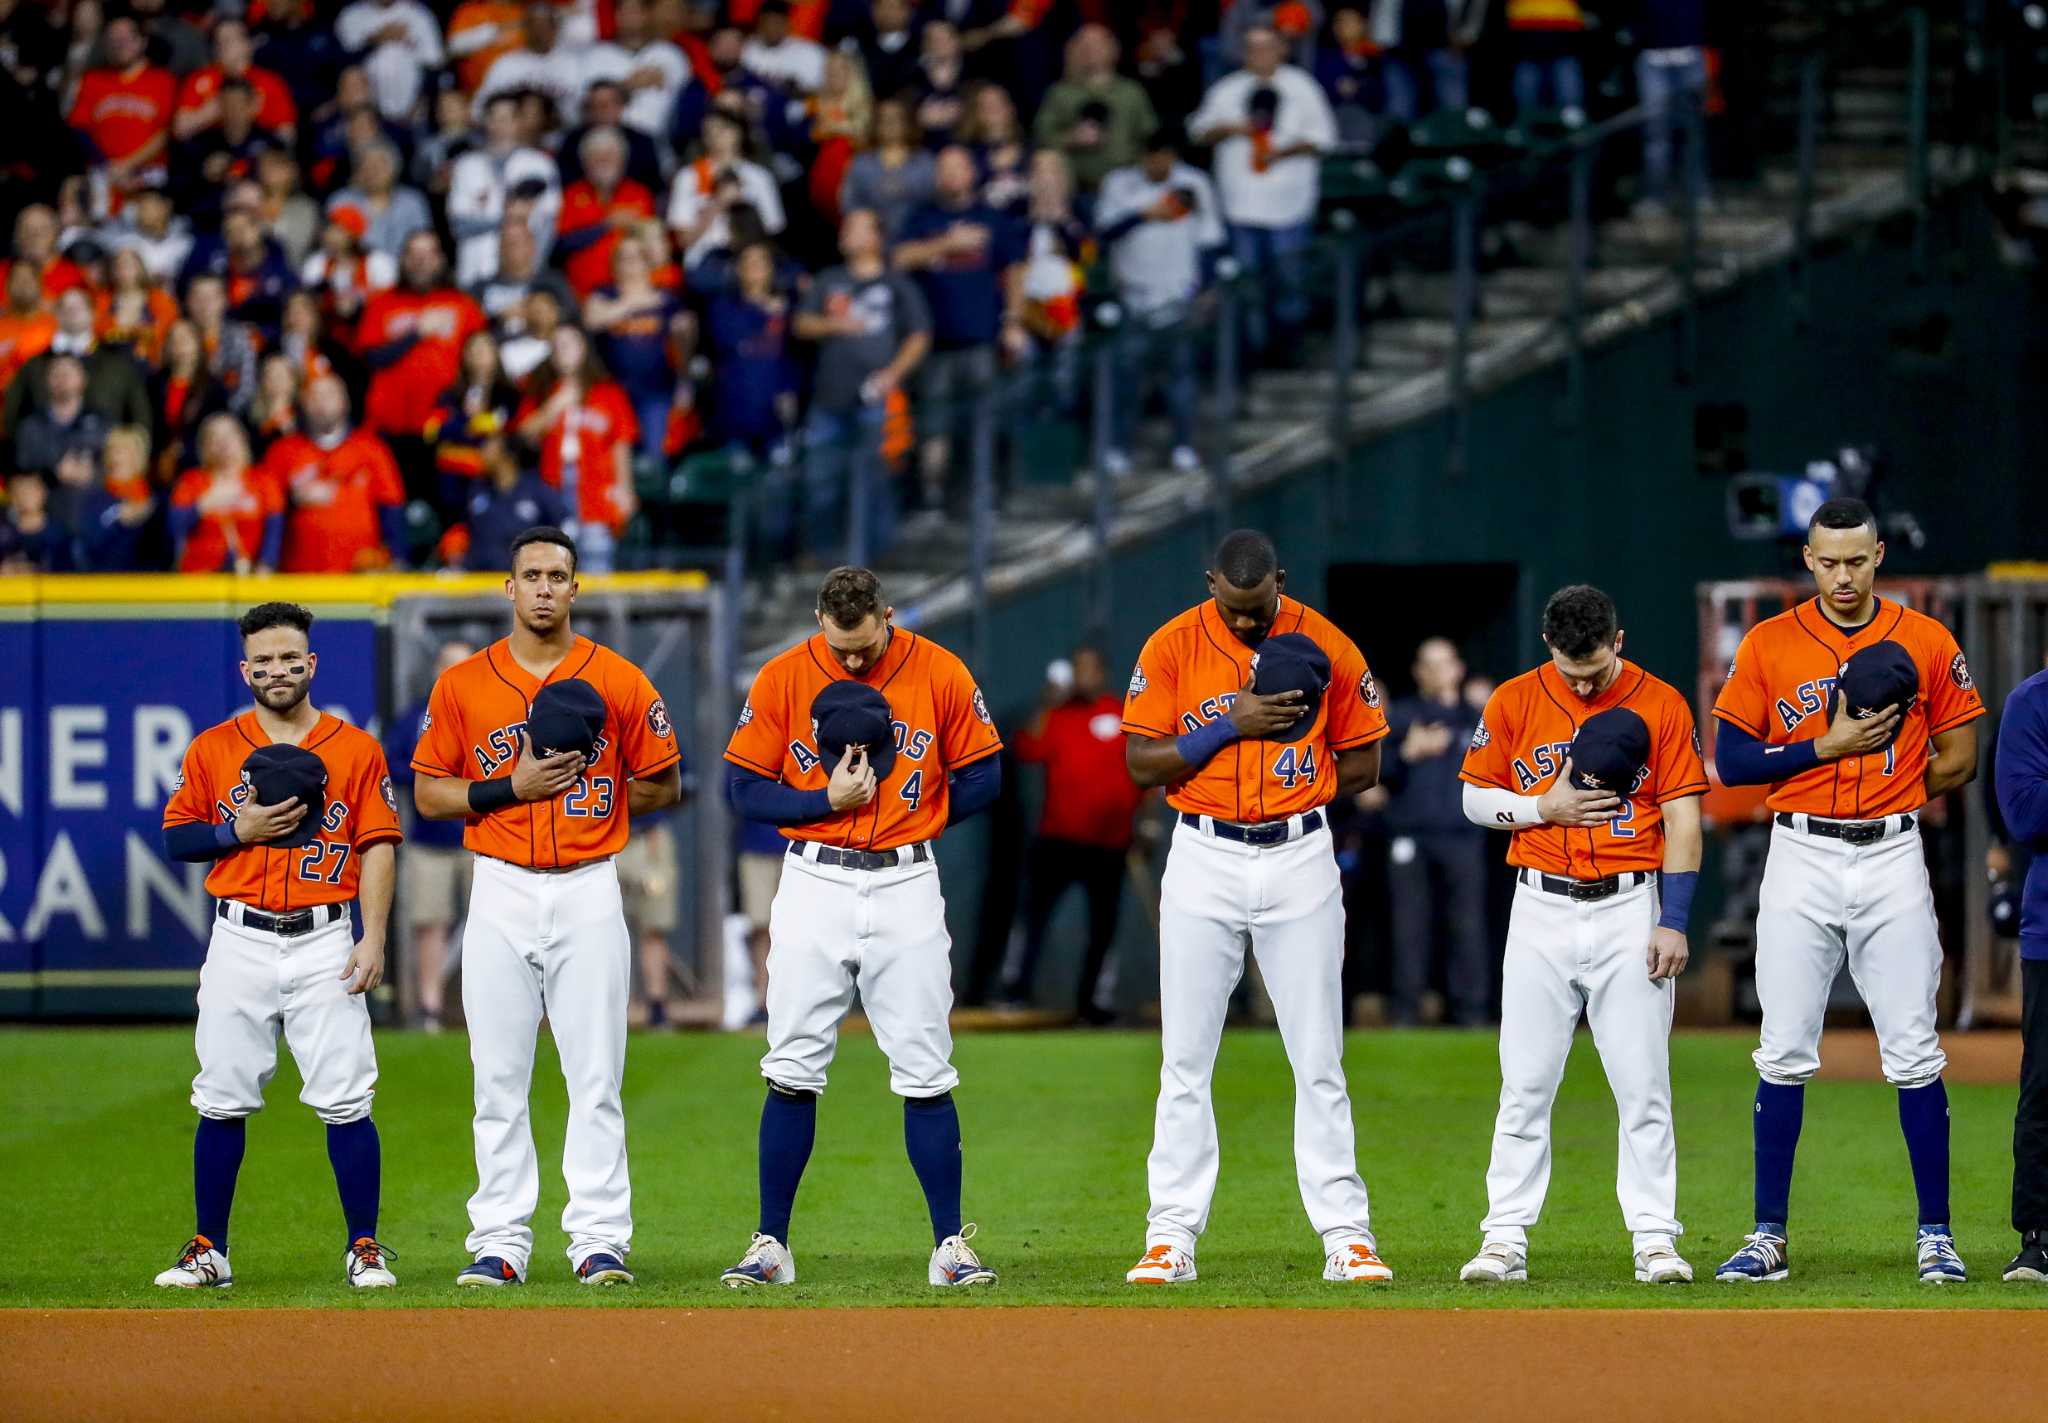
pixel 567 716
pixel 1880 676
pixel 1610 751
pixel 276 774
pixel 1291 662
pixel 846 713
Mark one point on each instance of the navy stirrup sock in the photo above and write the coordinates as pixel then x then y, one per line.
pixel 217 1148
pixel 1923 1117
pixel 789 1126
pixel 931 1134
pixel 1779 1111
pixel 357 1155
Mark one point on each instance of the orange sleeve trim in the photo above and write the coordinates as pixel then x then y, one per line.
pixel 1381 735
pixel 1471 780
pixel 170 820
pixel 977 757
pixel 380 837
pixel 1736 721
pixel 657 768
pixel 431 769
pixel 1143 730
pixel 754 766
pixel 1690 788
pixel 1953 722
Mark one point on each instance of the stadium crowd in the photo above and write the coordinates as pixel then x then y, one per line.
pixel 318 287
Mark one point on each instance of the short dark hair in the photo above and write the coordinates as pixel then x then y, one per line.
pixel 849 595
pixel 274 615
pixel 1246 558
pixel 1162 140
pixel 1842 514
pixel 541 534
pixel 1579 620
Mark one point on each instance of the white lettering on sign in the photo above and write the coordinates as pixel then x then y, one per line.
pixel 11 760
pixel 62 889
pixel 77 743
pixel 181 887
pixel 161 735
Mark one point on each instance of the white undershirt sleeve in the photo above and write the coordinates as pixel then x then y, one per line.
pixel 1497 809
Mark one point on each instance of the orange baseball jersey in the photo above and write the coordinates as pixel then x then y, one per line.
pixel 1778 691
pixel 471 730
pixel 1521 743
pixel 941 725
pixel 362 810
pixel 1191 671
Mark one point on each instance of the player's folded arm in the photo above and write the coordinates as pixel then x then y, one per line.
pixel 196 841
pixel 1743 759
pixel 768 800
pixel 973 787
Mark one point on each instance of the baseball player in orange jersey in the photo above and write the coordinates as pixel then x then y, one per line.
pixel 1594 767
pixel 863 743
pixel 282 956
pixel 1856 711
pixel 1251 865
pixel 546 933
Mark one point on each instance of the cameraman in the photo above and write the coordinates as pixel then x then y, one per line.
pixel 1161 224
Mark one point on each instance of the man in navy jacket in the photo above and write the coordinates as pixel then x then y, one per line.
pixel 2023 800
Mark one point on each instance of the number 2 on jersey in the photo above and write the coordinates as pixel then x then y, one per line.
pixel 1289 768
pixel 1621 826
pixel 590 796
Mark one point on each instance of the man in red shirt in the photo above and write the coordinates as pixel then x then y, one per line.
pixel 1084 833
pixel 35 247
pixel 199 96
pixel 597 210
pixel 411 338
pixel 125 108
pixel 344 501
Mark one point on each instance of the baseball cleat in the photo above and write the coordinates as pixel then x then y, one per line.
pixel 955 1264
pixel 1939 1262
pixel 491 1271
pixel 2032 1261
pixel 1356 1263
pixel 767 1262
pixel 367 1264
pixel 1762 1258
pixel 1661 1264
pixel 1497 1263
pixel 199 1267
pixel 603 1268
pixel 1163 1265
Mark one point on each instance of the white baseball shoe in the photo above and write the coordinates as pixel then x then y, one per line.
pixel 1356 1263
pixel 767 1262
pixel 199 1267
pixel 954 1263
pixel 1163 1265
pixel 1659 1263
pixel 368 1265
pixel 1497 1263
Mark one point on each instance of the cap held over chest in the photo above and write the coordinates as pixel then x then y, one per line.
pixel 1610 752
pixel 567 716
pixel 845 714
pixel 276 774
pixel 1881 675
pixel 1291 662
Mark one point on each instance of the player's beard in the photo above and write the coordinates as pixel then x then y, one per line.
pixel 281 697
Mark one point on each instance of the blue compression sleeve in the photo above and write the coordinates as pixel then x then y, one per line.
pixel 1198 746
pixel 773 803
pixel 1742 760
pixel 198 841
pixel 1678 889
pixel 974 789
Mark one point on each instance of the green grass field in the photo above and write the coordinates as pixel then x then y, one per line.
pixel 95 1137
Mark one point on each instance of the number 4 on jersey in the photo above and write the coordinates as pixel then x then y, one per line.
pixel 1289 769
pixel 913 789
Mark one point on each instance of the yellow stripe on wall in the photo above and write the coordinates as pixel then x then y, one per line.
pixel 209 594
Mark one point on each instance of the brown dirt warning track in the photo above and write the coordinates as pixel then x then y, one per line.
pixel 309 1366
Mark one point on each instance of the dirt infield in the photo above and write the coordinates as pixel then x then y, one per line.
pixel 991 1363
pixel 1990 1059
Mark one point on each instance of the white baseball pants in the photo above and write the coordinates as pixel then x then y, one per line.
pixel 1565 957
pixel 1824 901
pixel 1285 903
pixel 255 984
pixel 831 930
pixel 547 943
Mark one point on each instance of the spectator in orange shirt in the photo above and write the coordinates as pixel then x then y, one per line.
pixel 199 96
pixel 478 32
pixel 584 426
pixel 125 107
pixel 411 338
pixel 346 504
pixel 225 516
pixel 134 311
pixel 35 247
pixel 27 325
pixel 597 210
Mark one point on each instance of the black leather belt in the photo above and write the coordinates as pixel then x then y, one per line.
pixel 861 859
pixel 1271 832
pixel 285 926
pixel 1849 832
pixel 1583 890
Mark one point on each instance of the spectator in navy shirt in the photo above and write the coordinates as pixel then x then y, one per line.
pixel 435 867
pixel 301 50
pixel 507 502
pixel 636 327
pixel 2022 779
pixel 747 331
pixel 969 263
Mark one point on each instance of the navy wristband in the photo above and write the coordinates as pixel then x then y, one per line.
pixel 1197 746
pixel 1678 889
pixel 494 794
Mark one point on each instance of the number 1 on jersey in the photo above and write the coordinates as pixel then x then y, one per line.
pixel 1290 768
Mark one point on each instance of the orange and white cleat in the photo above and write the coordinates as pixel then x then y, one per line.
pixel 1163 1265
pixel 1357 1263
